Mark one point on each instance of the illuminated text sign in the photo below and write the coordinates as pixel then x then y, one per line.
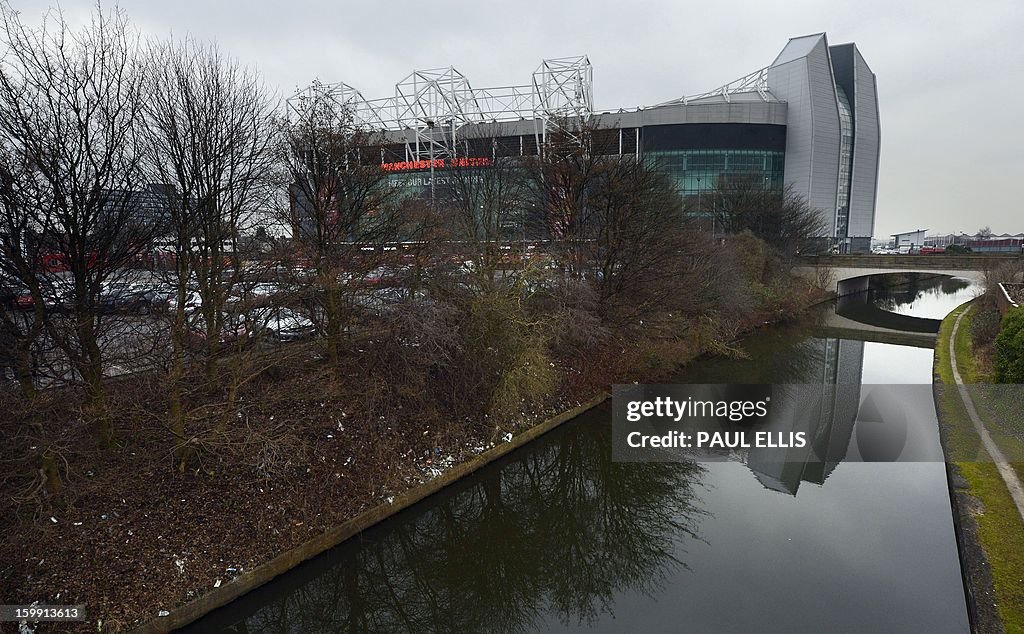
pixel 402 166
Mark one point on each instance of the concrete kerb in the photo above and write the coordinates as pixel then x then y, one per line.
pixel 252 579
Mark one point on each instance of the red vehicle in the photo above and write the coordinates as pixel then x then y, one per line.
pixel 23 300
pixel 927 250
pixel 56 263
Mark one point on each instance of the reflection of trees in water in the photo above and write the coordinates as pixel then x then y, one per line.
pixel 560 530
pixel 784 354
pixel 891 292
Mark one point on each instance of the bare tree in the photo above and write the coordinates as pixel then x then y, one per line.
pixel 211 136
pixel 484 205
pixel 613 220
pixel 562 179
pixel 782 218
pixel 19 257
pixel 344 214
pixel 70 105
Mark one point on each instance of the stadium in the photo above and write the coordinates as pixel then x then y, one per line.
pixel 808 121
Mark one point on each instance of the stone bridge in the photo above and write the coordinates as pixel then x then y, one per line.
pixel 850 273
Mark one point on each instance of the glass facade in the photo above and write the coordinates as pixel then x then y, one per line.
pixel 697 172
pixel 845 164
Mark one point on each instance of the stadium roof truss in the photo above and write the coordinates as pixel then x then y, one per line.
pixel 756 81
pixel 436 104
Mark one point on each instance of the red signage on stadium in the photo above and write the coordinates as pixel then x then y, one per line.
pixel 402 166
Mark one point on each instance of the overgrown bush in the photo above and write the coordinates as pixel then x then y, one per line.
pixel 1009 360
pixel 985 323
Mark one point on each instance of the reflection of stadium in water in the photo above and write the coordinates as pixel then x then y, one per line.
pixel 560 536
pixel 827 418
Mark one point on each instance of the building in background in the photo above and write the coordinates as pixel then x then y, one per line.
pixel 980 242
pixel 808 121
pixel 910 239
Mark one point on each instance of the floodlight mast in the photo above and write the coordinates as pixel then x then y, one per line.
pixel 430 107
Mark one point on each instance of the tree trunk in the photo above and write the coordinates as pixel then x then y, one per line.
pixel 334 329
pixel 23 368
pixel 91 369
pixel 177 413
pixel 50 474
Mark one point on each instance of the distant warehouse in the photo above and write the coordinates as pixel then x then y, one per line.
pixel 809 121
pixel 980 242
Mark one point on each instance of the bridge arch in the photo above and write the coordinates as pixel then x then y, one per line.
pixel 850 272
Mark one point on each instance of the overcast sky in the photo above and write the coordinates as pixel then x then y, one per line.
pixel 949 73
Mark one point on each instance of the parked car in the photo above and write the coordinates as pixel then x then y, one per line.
pixel 170 300
pixel 279 324
pixel 130 298
pixel 58 293
pixel 22 300
pixel 260 293
pixel 233 330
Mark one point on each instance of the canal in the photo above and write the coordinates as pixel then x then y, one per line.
pixel 558 537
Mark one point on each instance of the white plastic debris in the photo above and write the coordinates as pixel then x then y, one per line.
pixel 53 519
pixel 507 437
pixel 216 584
pixel 163 613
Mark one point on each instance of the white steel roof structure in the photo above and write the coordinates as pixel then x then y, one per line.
pixel 436 103
pixel 754 85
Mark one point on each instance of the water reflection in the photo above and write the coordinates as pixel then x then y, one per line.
pixel 559 529
pixel 906 303
pixel 918 295
pixel 826 417
pixel 557 536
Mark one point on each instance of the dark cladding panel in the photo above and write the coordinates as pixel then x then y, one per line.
pixel 507 146
pixel 714 136
pixel 629 137
pixel 478 148
pixel 606 142
pixel 394 152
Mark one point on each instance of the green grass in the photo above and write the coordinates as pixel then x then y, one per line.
pixel 1000 528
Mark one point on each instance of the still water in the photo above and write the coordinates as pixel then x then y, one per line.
pixel 558 537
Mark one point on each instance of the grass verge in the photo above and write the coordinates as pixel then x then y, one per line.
pixel 1000 528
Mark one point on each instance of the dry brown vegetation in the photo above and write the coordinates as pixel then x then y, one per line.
pixel 149 455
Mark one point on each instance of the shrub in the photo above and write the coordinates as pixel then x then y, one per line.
pixel 985 323
pixel 1010 348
